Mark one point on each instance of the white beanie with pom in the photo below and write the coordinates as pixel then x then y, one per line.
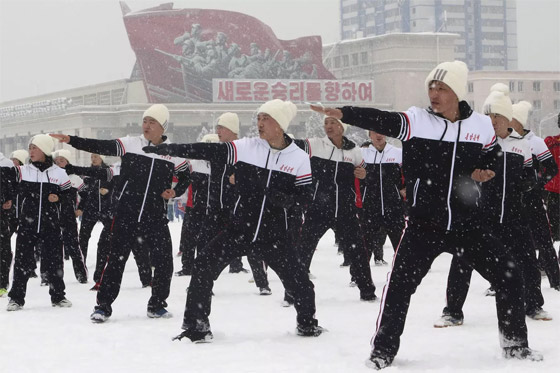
pixel 521 112
pixel 498 101
pixel 210 137
pixel 21 155
pixel 229 121
pixel 454 74
pixel 64 153
pixel 160 113
pixel 43 142
pixel 281 111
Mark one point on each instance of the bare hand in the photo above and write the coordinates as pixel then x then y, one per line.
pixel 78 213
pixel 53 198
pixel 482 176
pixel 103 191
pixel 403 193
pixel 61 138
pixel 168 193
pixel 360 173
pixel 7 205
pixel 330 112
pixel 232 179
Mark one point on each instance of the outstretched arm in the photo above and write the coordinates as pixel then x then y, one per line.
pixel 393 124
pixel 219 153
pixel 103 147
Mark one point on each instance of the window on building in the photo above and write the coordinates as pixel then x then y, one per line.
pixel 413 10
pixel 337 62
pixel 511 86
pixel 364 58
pixel 556 104
pixel 537 104
pixel 556 86
pixel 470 86
pixel 537 86
pixel 519 86
pixel 355 59
pixel 345 61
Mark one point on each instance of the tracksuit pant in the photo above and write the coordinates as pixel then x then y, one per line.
pixel 150 237
pixel 376 228
pixel 89 219
pixel 230 243
pixel 6 232
pixel 419 246
pixel 553 211
pixel 348 228
pixel 522 252
pixel 539 229
pixel 52 262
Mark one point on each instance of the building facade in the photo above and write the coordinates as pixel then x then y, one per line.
pixel 487 29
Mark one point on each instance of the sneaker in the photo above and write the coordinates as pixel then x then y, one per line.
pixel 265 291
pixel 379 361
pixel 3 292
pixel 183 272
pixel 447 320
pixel 368 296
pixel 13 306
pixel 195 336
pixel 95 287
pixel 310 331
pixel 33 274
pixel 162 313
pixel 522 353
pixel 44 281
pixel 64 303
pixel 380 262
pixel 238 270
pixel 540 315
pixel 146 285
pixel 99 316
pixel 490 292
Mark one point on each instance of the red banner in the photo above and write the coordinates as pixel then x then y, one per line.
pixel 180 51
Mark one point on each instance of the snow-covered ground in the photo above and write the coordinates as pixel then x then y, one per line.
pixel 254 333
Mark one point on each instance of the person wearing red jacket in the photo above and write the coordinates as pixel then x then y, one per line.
pixel 553 187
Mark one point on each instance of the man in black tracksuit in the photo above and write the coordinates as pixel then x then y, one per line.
pixel 6 212
pixel 545 169
pixel 95 204
pixel 445 150
pixel 502 211
pixel 335 163
pixel 271 175
pixel 382 210
pixel 141 215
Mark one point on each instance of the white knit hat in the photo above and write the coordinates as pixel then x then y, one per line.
pixel 21 155
pixel 498 101
pixel 521 112
pixel 454 74
pixel 160 113
pixel 229 121
pixel 281 111
pixel 210 137
pixel 43 142
pixel 344 125
pixel 64 153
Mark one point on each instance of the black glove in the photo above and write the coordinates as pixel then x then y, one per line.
pixel 161 149
pixel 69 169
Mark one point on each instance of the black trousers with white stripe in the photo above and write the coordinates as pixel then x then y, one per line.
pixel 521 250
pixel 419 246
pixel 148 238
pixel 279 255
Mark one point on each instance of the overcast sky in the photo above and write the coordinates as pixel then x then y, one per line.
pixel 51 45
